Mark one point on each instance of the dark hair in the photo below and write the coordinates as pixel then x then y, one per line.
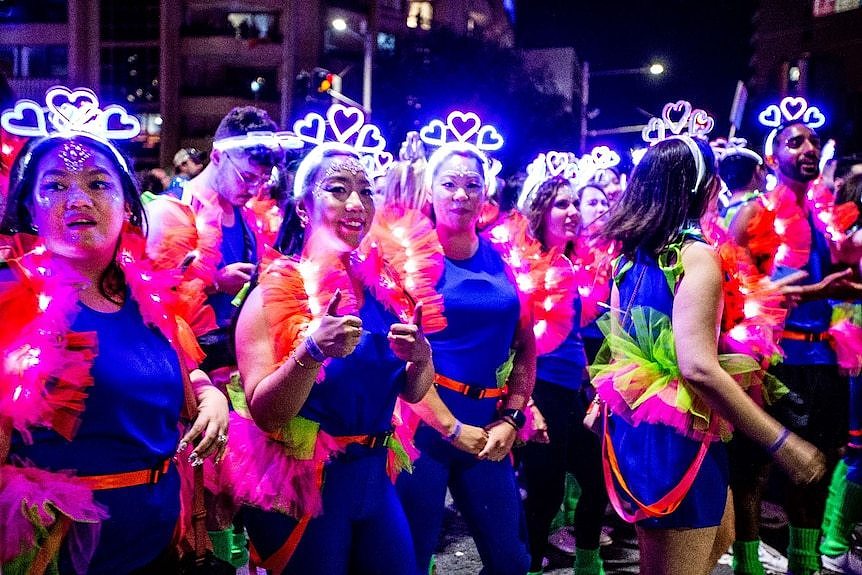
pixel 152 183
pixel 851 191
pixel 17 218
pixel 291 234
pixel 244 119
pixel 659 199
pixel 541 201
pixel 737 171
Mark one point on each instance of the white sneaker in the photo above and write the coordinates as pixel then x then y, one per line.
pixel 772 560
pixel 847 563
pixel 774 563
pixel 563 539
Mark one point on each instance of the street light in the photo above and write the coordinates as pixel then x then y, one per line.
pixel 654 69
pixel 340 25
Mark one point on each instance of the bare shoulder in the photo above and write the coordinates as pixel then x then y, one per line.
pixel 700 259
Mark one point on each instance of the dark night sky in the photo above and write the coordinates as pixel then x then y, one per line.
pixel 704 45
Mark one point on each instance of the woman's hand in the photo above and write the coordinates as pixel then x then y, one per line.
pixel 472 439
pixel 539 428
pixel 337 336
pixel 802 462
pixel 407 341
pixel 232 277
pixel 210 426
pixel 501 437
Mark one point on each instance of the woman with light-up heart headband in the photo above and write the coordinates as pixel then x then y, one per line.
pixel 668 395
pixel 99 363
pixel 483 357
pixel 326 343
pixel 562 393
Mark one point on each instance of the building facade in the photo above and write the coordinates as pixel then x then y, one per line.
pixel 180 65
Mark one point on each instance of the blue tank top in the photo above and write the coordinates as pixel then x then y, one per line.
pixel 653 457
pixel 238 245
pixel 130 422
pixel 564 366
pixel 482 310
pixel 358 395
pixel 810 316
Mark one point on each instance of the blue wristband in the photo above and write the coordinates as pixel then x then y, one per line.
pixel 456 432
pixel 314 350
pixel 782 438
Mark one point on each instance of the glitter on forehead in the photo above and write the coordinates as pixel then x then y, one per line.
pixel 351 165
pixel 74 155
pixel 461 173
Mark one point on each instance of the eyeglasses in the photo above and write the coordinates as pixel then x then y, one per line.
pixel 341 193
pixel 250 181
pixel 264 156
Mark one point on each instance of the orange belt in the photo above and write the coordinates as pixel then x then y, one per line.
pixel 471 391
pixel 127 479
pixel 370 441
pixel 805 336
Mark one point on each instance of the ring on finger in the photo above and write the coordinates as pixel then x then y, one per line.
pixel 221 439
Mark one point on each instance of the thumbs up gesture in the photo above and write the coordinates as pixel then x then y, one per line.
pixel 407 340
pixel 337 335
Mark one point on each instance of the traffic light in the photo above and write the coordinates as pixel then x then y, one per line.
pixel 322 81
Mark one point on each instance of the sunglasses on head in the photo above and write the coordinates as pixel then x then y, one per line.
pixel 264 156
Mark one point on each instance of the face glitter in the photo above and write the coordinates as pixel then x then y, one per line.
pixel 74 155
pixel 351 165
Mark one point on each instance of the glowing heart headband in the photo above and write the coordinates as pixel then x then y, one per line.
pixel 590 165
pixel 347 126
pixel 791 110
pixel 726 147
pixel 69 112
pixel 546 165
pixel 271 140
pixel 678 119
pixel 462 127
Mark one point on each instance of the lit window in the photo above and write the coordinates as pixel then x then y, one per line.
pixel 420 15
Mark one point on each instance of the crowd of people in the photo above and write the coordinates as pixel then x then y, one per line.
pixel 286 355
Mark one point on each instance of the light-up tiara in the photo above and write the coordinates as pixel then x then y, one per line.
pixel 726 147
pixel 678 119
pixel 267 139
pixel 347 126
pixel 69 112
pixel 546 165
pixel 590 165
pixel 463 127
pixel 791 110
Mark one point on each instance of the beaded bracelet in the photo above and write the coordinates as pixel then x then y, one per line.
pixel 313 349
pixel 456 432
pixel 782 439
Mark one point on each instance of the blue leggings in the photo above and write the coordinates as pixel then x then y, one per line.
pixel 853 458
pixel 485 493
pixel 362 529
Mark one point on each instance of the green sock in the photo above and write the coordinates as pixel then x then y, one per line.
pixel 588 562
pixel 836 494
pixel 432 565
pixel 746 558
pixel 573 493
pixel 843 510
pixel 239 548
pixel 539 572
pixel 802 555
pixel 222 542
